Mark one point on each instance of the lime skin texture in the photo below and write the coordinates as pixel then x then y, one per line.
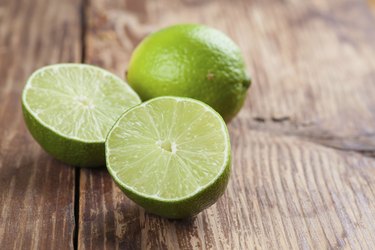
pixel 191 60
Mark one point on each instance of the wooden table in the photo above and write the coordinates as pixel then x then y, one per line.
pixel 304 144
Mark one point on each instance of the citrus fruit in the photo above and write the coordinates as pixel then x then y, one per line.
pixel 194 61
pixel 70 108
pixel 171 155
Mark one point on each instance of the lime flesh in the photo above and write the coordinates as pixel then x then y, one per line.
pixel 70 108
pixel 170 155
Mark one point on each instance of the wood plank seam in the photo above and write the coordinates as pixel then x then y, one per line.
pixel 290 186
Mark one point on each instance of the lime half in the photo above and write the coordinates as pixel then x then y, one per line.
pixel 171 155
pixel 70 108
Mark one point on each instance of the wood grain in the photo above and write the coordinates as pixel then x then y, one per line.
pixel 300 177
pixel 321 54
pixel 372 5
pixel 36 191
pixel 285 193
pixel 316 63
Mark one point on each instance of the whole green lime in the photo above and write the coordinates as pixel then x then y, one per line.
pixel 191 60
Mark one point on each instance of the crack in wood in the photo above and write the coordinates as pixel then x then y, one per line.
pixel 363 143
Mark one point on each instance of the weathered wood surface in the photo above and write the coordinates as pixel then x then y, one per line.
pixel 36 191
pixel 300 178
pixel 303 176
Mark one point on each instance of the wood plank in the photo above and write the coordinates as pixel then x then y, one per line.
pixel 372 5
pixel 321 54
pixel 37 192
pixel 313 65
pixel 283 193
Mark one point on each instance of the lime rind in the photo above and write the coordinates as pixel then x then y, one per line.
pixel 70 151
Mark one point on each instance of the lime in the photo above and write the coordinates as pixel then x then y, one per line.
pixel 70 108
pixel 194 61
pixel 171 155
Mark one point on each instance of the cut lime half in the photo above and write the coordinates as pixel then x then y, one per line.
pixel 171 155
pixel 70 108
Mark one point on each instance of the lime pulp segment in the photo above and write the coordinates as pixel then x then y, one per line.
pixel 169 149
